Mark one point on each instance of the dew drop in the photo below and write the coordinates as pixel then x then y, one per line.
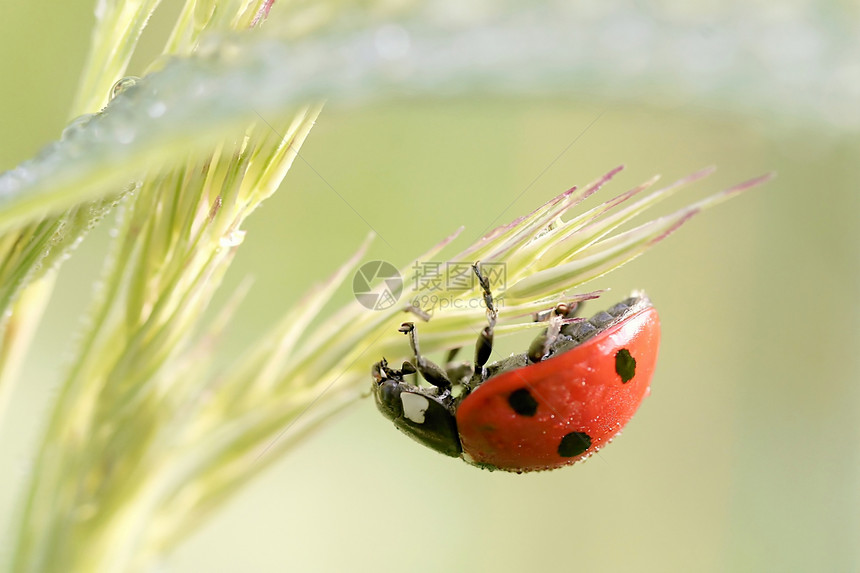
pixel 156 109
pixel 46 153
pixel 124 134
pixel 76 125
pixel 16 177
pixel 122 85
pixel 7 183
pixel 232 239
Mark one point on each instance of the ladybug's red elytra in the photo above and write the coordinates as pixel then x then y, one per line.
pixel 573 391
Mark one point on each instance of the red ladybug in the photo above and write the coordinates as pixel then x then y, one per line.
pixel 571 393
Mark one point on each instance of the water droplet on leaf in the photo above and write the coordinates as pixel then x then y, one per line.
pixel 76 125
pixel 123 85
pixel 156 109
pixel 232 239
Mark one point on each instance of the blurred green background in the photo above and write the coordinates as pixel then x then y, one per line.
pixel 746 457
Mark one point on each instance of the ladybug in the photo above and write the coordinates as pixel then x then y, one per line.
pixel 574 389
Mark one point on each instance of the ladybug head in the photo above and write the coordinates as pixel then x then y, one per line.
pixel 424 414
pixel 387 386
pixel 381 372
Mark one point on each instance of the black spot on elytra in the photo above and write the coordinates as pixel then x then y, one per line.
pixel 574 444
pixel 625 365
pixel 522 402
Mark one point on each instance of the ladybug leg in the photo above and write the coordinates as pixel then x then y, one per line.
pixel 418 311
pixel 540 346
pixel 573 310
pixel 431 372
pixel 458 372
pixel 452 354
pixel 484 346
